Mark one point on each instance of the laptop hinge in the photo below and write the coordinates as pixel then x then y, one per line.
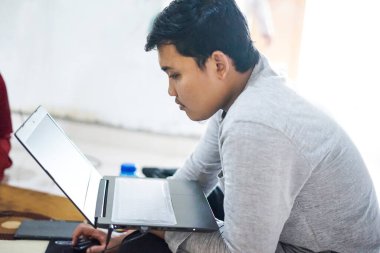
pixel 101 202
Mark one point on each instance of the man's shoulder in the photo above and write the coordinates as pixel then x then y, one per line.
pixel 260 103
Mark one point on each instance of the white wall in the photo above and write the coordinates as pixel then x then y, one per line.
pixel 86 60
pixel 339 69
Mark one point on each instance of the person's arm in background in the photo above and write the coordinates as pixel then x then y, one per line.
pixel 5 129
pixel 262 11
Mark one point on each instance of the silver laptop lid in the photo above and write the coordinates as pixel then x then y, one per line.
pixel 61 160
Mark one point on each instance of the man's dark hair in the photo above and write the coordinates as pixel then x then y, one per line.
pixel 197 28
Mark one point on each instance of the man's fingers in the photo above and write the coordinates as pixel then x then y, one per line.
pixel 96 249
pixel 82 229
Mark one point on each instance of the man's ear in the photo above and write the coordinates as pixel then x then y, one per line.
pixel 222 64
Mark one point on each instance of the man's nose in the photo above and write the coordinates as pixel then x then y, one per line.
pixel 171 90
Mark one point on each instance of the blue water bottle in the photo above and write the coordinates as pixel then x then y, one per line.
pixel 128 170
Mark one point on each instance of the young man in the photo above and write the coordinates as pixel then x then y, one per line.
pixel 293 181
pixel 5 130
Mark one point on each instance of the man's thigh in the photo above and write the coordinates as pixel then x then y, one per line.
pixel 147 243
pixel 288 248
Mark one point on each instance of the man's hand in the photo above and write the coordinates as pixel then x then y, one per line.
pixel 88 231
pixel 158 233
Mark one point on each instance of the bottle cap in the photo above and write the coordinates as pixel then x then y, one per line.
pixel 128 169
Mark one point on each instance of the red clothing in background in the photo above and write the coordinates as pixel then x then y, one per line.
pixel 5 129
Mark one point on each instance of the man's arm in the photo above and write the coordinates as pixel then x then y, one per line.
pixel 262 179
pixel 204 163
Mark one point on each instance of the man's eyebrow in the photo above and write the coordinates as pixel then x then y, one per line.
pixel 166 68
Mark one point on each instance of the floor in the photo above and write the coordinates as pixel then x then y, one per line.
pixel 106 147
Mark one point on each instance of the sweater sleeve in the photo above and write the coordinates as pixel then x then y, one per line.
pixel 203 165
pixel 263 173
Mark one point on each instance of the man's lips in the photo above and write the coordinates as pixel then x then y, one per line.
pixel 181 106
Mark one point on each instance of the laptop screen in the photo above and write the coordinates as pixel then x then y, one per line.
pixel 62 160
pixel 183 205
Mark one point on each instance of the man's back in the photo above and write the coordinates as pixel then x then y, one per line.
pixel 336 206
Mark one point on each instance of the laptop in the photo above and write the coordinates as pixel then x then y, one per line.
pixel 122 202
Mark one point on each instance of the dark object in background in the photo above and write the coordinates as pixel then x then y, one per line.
pixel 45 229
pixel 215 198
pixel 158 172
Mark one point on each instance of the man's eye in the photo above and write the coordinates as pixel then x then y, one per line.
pixel 174 76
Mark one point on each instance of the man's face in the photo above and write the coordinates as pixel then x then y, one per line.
pixel 197 91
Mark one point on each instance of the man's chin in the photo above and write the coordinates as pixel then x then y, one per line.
pixel 197 118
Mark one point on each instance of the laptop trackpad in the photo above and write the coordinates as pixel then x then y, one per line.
pixel 141 201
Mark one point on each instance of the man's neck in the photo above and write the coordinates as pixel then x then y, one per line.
pixel 238 83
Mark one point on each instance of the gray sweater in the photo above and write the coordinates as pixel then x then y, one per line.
pixel 289 173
